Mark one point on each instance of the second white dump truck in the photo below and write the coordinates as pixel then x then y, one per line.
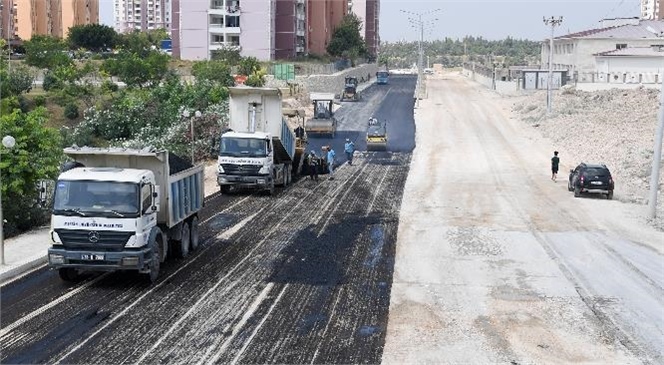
pixel 119 209
pixel 259 149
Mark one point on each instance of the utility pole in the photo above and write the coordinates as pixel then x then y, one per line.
pixel 657 158
pixel 420 59
pixel 553 22
pixel 659 135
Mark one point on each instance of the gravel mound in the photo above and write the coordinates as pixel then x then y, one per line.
pixel 616 127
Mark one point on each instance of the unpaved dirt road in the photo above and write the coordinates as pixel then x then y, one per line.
pixel 301 277
pixel 496 263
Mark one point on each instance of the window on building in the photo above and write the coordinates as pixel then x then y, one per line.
pixel 621 45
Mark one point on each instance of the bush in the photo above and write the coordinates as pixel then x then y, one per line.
pixel 50 82
pixel 71 111
pixel 40 100
pixel 109 86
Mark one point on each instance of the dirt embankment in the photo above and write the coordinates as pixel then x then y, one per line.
pixel 615 127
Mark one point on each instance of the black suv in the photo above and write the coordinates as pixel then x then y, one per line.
pixel 589 178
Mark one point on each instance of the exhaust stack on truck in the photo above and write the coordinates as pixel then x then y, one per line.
pixel 118 209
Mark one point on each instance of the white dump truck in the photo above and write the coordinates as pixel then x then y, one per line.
pixel 119 209
pixel 259 150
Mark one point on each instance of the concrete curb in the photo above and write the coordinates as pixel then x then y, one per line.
pixel 21 269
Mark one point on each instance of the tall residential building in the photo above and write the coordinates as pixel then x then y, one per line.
pixel 322 17
pixel 8 19
pixel 143 15
pixel 369 13
pixel 291 26
pixel 652 9
pixel 200 27
pixel 46 17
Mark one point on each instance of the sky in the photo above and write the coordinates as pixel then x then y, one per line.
pixel 491 19
pixel 497 19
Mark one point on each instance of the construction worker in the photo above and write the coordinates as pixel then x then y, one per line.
pixel 312 163
pixel 349 148
pixel 330 161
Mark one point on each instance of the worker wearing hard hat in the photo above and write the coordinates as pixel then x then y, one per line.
pixel 349 148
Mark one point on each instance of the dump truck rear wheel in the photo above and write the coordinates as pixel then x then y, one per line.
pixel 225 189
pixel 193 244
pixel 183 244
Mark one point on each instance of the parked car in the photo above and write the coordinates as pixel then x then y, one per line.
pixel 591 178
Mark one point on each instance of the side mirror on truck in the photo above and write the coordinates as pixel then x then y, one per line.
pixel 155 198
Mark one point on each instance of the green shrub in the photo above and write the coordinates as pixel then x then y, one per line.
pixel 40 100
pixel 50 81
pixel 71 111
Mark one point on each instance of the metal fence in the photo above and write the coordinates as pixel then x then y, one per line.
pixel 288 71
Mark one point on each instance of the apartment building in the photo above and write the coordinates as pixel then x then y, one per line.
pixel 652 9
pixel 201 27
pixel 290 31
pixel 143 15
pixel 322 17
pixel 25 18
pixel 369 13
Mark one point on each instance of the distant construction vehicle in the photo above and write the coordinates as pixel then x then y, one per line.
pixel 376 135
pixel 382 77
pixel 323 121
pixel 350 93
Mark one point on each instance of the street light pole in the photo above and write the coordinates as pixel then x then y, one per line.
pixel 553 22
pixel 8 142
pixel 420 59
pixel 186 114
pixel 657 158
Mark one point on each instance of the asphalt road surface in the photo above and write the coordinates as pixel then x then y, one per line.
pixel 301 277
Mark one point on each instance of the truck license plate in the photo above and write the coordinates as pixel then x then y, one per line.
pixel 91 257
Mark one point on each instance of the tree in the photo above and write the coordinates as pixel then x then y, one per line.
pixel 46 52
pixel 36 156
pixel 346 39
pixel 20 80
pixel 216 71
pixel 138 70
pixel 229 55
pixel 94 37
pixel 142 43
pixel 249 65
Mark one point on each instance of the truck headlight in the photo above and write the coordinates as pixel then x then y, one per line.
pixel 220 169
pixel 55 238
pixel 264 170
pixel 135 241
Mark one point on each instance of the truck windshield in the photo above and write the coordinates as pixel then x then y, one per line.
pixel 382 74
pixel 96 198
pixel 243 147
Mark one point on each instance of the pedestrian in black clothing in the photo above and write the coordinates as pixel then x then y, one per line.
pixel 555 162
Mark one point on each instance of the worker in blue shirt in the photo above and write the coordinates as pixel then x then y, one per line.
pixel 330 160
pixel 349 148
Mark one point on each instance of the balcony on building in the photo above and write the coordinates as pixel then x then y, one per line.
pixel 224 24
pixel 219 41
pixel 225 7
